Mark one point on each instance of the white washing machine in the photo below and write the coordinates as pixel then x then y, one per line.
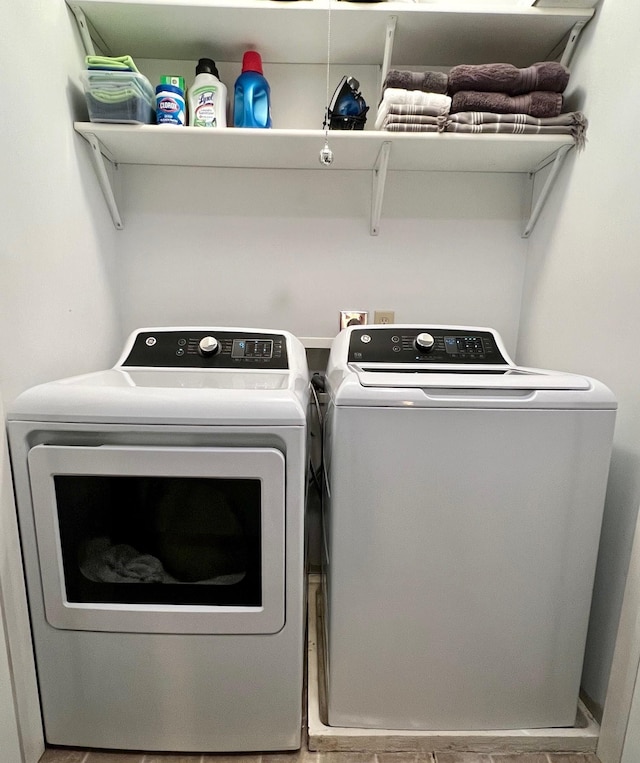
pixel 161 507
pixel 462 520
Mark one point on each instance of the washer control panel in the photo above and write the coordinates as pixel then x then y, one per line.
pixel 208 349
pixel 423 345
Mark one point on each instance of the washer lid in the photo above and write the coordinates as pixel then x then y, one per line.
pixel 492 378
pixel 422 366
pixel 515 388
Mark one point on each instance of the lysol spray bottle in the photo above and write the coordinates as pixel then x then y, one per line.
pixel 207 97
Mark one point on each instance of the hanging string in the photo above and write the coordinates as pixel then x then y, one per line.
pixel 326 154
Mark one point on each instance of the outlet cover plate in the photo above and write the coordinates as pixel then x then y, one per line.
pixel 352 318
pixel 384 316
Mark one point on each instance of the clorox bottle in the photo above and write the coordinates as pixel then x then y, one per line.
pixel 252 99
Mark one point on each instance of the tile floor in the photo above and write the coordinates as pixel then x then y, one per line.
pixel 65 755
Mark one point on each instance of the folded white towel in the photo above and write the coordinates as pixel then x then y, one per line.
pixel 433 104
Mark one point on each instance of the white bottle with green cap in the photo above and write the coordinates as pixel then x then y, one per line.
pixel 207 97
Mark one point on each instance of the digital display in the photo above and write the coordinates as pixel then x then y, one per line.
pixel 463 344
pixel 252 348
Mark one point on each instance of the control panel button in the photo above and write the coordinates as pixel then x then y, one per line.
pixel 425 342
pixel 208 345
pixel 365 338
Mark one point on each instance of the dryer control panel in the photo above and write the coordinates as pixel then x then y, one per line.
pixel 372 344
pixel 204 348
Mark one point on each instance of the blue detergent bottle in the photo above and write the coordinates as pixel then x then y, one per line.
pixel 252 97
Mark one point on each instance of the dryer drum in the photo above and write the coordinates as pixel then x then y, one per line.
pixel 197 533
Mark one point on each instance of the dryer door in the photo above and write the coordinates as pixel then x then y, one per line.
pixel 160 539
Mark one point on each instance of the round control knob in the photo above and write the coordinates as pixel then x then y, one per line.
pixel 425 342
pixel 208 345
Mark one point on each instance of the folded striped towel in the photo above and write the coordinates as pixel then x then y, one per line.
pixel 413 119
pixel 572 123
pixel 406 127
pixel 429 104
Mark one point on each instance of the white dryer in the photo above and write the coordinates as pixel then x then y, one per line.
pixel 161 507
pixel 462 520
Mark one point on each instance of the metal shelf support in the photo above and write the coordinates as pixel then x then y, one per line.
pixel 389 38
pixel 572 42
pixel 379 180
pixel 536 209
pixel 83 27
pixel 99 163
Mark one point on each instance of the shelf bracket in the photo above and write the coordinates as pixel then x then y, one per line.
pixel 388 48
pixel 106 184
pixel 379 179
pixel 83 27
pixel 558 160
pixel 574 34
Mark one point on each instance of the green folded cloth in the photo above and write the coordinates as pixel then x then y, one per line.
pixel 118 63
pixel 105 83
pixel 110 96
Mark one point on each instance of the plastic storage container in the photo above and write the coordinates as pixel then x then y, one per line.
pixel 118 96
pixel 252 95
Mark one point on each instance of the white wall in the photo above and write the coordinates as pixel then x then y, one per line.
pixel 290 249
pixel 283 249
pixel 58 291
pixel 9 739
pixel 58 310
pixel 580 308
pixel 18 692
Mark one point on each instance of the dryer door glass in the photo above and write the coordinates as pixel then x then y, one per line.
pixel 184 540
pixel 160 540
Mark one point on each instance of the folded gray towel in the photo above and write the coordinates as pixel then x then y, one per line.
pixel 536 104
pixel 549 76
pixel 429 82
pixel 391 121
pixel 572 123
pixel 407 127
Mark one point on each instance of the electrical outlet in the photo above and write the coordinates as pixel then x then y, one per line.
pixel 352 318
pixel 384 316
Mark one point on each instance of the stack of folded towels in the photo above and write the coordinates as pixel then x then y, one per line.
pixel 116 91
pixel 413 102
pixel 498 98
